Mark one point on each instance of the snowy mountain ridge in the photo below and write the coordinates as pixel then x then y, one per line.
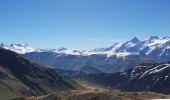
pixel 20 48
pixel 25 48
pixel 154 47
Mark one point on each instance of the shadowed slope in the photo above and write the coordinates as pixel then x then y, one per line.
pixel 30 76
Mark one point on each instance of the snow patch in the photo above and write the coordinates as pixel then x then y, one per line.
pixel 156 69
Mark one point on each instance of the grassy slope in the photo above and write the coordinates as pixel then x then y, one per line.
pixel 18 76
pixel 88 85
pixel 10 87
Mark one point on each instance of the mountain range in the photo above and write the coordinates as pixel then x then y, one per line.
pixel 155 47
pixel 117 58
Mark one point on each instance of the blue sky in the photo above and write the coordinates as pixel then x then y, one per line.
pixel 81 24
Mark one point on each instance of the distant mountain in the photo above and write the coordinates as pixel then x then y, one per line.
pixel 96 63
pixel 71 73
pixel 19 77
pixel 20 48
pixel 153 77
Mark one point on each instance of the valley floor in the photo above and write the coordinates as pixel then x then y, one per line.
pixel 98 95
pixel 94 92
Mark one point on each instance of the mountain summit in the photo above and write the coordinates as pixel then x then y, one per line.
pixel 134 40
pixel 153 38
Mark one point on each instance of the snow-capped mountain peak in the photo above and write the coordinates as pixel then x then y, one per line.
pixel 134 40
pixel 155 47
pixel 20 48
pixel 68 51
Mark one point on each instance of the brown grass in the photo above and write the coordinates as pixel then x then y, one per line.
pixel 98 95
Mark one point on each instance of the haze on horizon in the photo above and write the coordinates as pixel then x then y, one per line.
pixel 81 24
